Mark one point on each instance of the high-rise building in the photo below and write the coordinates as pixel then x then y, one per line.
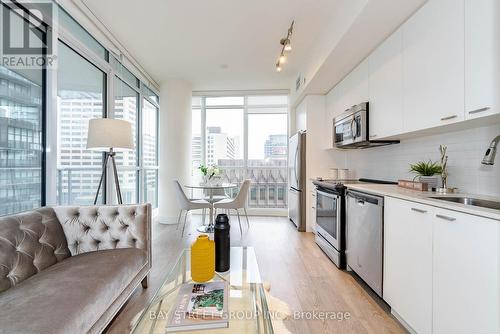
pixel 196 157
pixel 79 170
pixel 276 147
pixel 220 146
pixel 20 142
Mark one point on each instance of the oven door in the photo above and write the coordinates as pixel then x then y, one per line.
pixel 328 217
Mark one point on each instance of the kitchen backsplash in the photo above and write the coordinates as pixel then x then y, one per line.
pixel 465 151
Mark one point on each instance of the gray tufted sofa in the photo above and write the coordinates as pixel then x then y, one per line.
pixel 70 269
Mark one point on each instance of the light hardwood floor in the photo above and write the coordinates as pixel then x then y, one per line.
pixel 299 272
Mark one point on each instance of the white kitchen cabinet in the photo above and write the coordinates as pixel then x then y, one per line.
pixel 466 276
pixel 482 53
pixel 408 262
pixel 441 268
pixel 385 88
pixel 301 116
pixel 355 86
pixel 334 107
pixel 433 65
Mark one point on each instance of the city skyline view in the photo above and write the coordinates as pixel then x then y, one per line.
pixel 244 145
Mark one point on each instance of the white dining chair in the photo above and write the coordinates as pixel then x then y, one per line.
pixel 187 205
pixel 237 203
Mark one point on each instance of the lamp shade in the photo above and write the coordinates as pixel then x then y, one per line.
pixel 106 133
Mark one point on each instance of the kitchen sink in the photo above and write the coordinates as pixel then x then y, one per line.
pixel 471 201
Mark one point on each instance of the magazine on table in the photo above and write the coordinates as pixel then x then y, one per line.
pixel 199 306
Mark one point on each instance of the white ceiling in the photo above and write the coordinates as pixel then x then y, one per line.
pixel 217 44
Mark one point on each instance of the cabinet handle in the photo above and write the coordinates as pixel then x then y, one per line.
pixel 373 136
pixel 418 210
pixel 449 117
pixel 450 219
pixel 479 110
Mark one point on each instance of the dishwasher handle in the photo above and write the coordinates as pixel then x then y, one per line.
pixel 362 198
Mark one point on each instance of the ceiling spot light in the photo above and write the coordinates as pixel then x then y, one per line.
pixel 288 46
pixel 285 46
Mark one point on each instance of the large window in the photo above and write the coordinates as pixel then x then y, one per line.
pixel 87 82
pixel 267 158
pixel 80 97
pixel 20 140
pixel 21 129
pixel 246 136
pixel 126 107
pixel 224 136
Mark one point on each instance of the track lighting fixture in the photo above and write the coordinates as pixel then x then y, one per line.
pixel 285 46
pixel 288 46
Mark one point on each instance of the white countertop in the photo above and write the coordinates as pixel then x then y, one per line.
pixel 423 197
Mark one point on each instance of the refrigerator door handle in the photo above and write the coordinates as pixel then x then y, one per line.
pixel 296 166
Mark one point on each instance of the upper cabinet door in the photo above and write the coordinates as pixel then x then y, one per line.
pixel 385 86
pixel 433 65
pixel 355 85
pixel 482 56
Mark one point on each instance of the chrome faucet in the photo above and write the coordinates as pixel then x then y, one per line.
pixel 489 156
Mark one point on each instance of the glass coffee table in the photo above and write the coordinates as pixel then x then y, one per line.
pixel 248 310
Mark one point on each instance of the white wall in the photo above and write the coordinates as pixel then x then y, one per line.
pixel 175 145
pixel 465 150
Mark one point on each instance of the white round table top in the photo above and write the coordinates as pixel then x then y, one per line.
pixel 211 186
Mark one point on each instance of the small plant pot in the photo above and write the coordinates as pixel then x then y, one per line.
pixel 432 181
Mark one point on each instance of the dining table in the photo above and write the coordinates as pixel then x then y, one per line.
pixel 210 189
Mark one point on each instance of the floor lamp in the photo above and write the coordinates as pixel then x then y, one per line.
pixel 109 135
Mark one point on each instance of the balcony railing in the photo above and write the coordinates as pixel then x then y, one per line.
pixel 268 187
pixel 78 185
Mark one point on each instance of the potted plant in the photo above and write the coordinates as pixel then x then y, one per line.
pixel 209 172
pixel 426 172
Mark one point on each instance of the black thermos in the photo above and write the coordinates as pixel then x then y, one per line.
pixel 222 244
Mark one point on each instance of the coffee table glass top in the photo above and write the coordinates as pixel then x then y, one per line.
pixel 248 311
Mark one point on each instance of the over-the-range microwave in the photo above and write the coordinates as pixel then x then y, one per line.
pixel 351 129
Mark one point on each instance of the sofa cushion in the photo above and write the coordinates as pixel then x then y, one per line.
pixel 29 243
pixel 70 296
pixel 91 228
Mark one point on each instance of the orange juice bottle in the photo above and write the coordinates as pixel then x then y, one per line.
pixel 202 259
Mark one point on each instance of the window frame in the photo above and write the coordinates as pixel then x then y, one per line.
pixel 93 59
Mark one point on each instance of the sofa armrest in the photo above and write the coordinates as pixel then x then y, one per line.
pixel 92 228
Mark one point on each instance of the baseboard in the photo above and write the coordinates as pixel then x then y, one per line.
pixel 402 322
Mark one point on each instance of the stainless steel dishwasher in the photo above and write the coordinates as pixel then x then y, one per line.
pixel 365 237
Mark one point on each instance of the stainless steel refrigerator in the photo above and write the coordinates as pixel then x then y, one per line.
pixel 297 179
